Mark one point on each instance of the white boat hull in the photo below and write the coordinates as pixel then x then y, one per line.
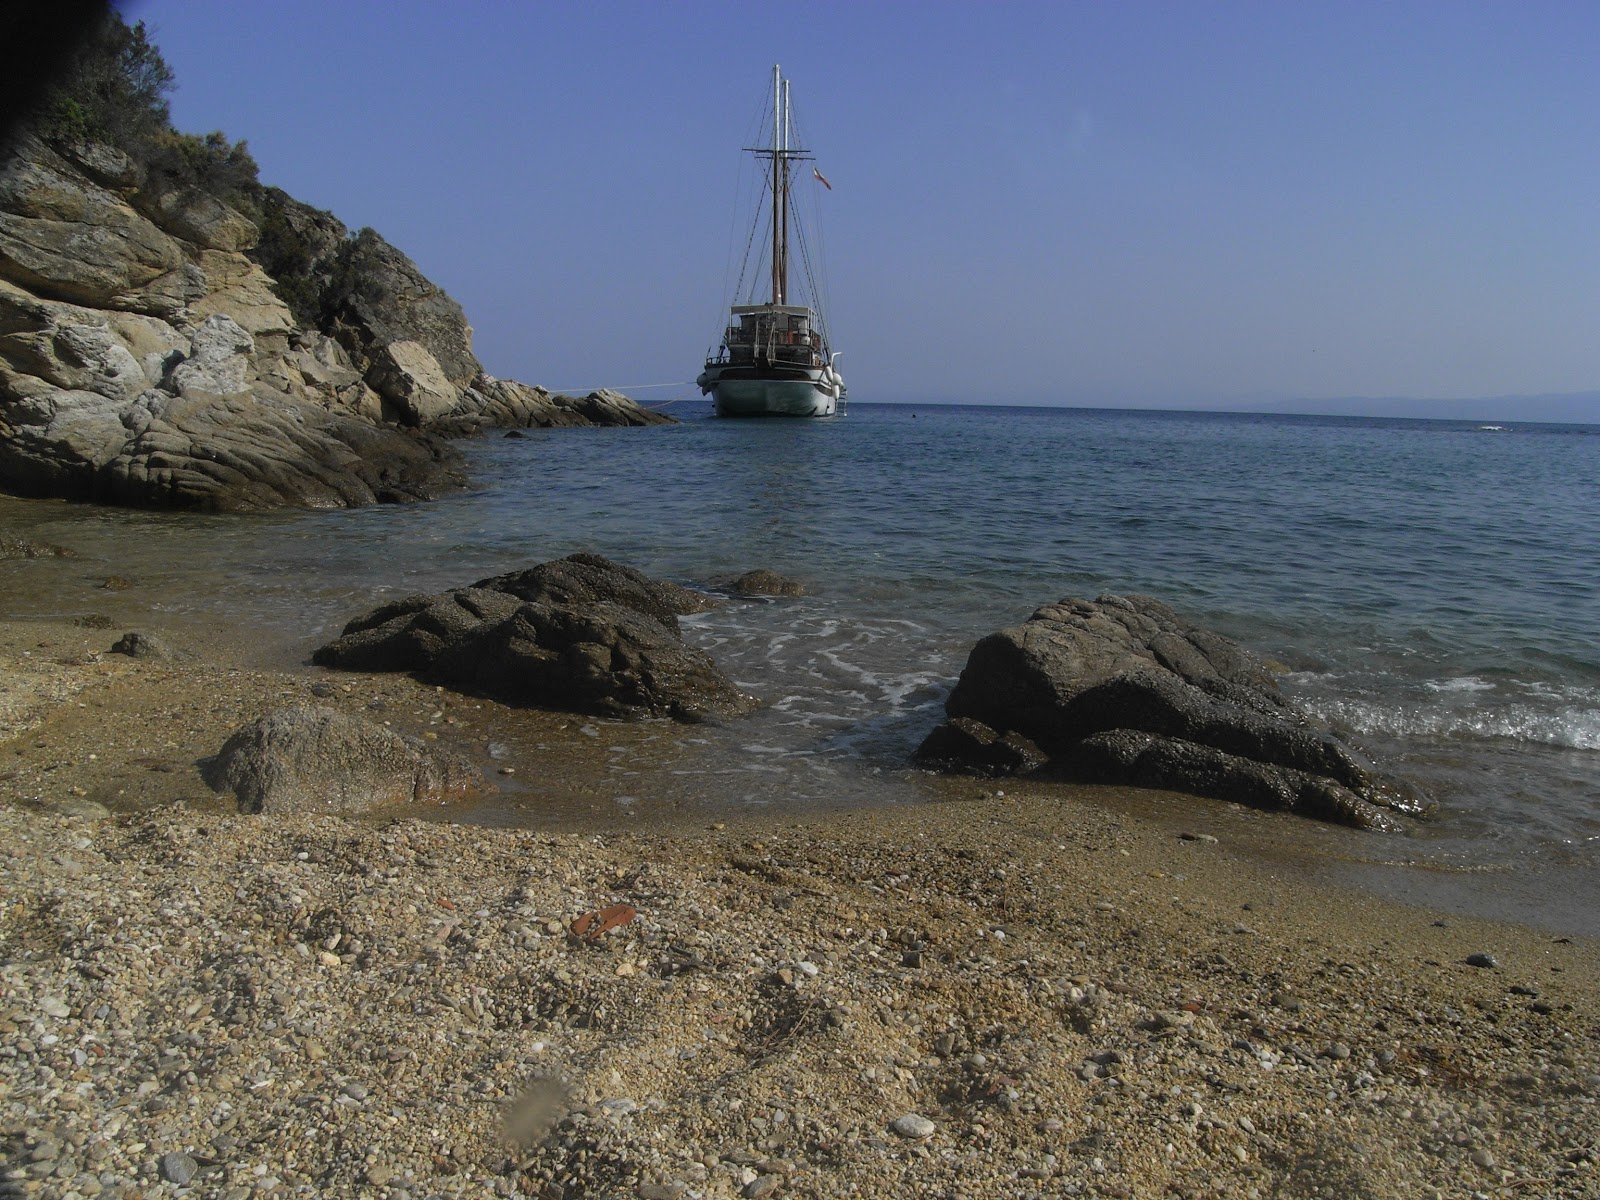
pixel 821 394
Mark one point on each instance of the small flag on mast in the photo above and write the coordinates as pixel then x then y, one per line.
pixel 820 179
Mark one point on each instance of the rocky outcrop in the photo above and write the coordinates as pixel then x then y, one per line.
pixel 492 403
pixel 1120 690
pixel 377 297
pixel 307 759
pixel 148 357
pixel 762 582
pixel 579 634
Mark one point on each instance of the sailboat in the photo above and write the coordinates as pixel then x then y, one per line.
pixel 774 359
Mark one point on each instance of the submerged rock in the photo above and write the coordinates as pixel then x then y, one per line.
pixel 762 582
pixel 1120 690
pixel 308 759
pixel 581 633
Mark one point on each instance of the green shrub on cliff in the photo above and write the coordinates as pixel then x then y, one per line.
pixel 211 163
pixel 113 89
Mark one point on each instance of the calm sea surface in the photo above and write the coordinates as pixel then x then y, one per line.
pixel 1430 585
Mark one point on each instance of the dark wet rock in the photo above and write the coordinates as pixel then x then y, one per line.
pixel 309 759
pixel 21 547
pixel 762 582
pixel 1122 691
pixel 143 645
pixel 582 579
pixel 971 747
pixel 581 634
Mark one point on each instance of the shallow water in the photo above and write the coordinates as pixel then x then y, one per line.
pixel 1427 585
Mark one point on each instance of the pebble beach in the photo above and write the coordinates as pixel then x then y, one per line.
pixel 1027 991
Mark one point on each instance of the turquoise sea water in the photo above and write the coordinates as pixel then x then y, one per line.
pixel 1430 586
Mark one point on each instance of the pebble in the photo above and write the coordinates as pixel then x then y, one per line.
pixel 1481 960
pixel 913 1125
pixel 177 1167
pixel 231 1042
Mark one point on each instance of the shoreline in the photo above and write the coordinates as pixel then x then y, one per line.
pixel 1076 997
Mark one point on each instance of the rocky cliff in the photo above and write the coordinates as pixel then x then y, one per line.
pixel 161 348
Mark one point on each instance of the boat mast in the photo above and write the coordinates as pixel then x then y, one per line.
pixel 780 190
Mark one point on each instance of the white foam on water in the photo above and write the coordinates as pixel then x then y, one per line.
pixel 1466 683
pixel 1568 728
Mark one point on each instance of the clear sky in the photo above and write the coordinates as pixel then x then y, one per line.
pixel 1192 204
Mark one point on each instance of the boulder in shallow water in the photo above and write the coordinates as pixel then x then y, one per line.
pixel 1120 690
pixel 762 582
pixel 309 759
pixel 581 634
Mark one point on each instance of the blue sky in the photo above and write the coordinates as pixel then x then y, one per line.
pixel 1150 204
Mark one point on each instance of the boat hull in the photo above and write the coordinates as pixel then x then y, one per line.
pixel 817 393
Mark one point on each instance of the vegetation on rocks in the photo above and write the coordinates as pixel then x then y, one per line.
pixel 175 334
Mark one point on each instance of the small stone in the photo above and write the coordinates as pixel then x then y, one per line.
pixel 177 1167
pixel 54 1006
pixel 1481 960
pixel 913 1125
pixel 356 1091
pixel 77 806
pixel 761 1185
pixel 1482 1158
pixel 142 645
pixel 378 1175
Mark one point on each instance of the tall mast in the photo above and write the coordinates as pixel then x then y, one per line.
pixel 784 272
pixel 780 182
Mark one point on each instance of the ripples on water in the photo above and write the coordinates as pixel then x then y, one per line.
pixel 1428 585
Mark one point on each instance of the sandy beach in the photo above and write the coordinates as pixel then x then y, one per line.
pixel 1004 991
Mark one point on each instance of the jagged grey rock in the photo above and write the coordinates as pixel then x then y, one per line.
pixel 218 361
pixel 580 634
pixel 1121 690
pixel 146 357
pixel 377 297
pixel 310 759
pixel 411 379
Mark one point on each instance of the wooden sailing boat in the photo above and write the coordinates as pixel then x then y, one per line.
pixel 774 359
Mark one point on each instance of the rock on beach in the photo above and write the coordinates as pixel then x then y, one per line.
pixel 580 634
pixel 309 759
pixel 1121 690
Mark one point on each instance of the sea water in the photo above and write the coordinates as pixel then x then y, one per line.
pixel 1427 586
